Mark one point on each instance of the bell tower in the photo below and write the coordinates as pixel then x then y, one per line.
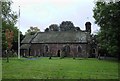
pixel 88 27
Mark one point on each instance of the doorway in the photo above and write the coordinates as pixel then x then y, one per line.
pixel 58 53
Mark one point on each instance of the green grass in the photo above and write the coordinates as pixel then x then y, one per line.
pixel 67 68
pixel 0 68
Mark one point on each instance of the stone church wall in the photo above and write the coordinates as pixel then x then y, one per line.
pixel 69 50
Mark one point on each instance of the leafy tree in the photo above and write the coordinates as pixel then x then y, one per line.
pixel 107 16
pixel 32 30
pixel 8 16
pixel 9 19
pixel 21 36
pixel 53 27
pixel 47 29
pixel 66 26
pixel 9 38
pixel 15 43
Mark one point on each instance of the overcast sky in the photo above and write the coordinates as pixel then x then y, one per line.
pixel 42 13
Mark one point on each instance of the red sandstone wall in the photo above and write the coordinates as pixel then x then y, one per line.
pixel 39 50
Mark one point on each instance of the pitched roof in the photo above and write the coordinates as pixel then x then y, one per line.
pixel 25 46
pixel 27 38
pixel 60 37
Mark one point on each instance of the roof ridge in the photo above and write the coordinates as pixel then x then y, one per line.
pixel 34 36
pixel 62 31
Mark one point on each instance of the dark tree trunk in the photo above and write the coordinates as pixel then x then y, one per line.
pixel 7 53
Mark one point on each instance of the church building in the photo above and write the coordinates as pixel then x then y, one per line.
pixel 58 43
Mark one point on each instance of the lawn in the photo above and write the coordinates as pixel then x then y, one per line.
pixel 0 68
pixel 55 68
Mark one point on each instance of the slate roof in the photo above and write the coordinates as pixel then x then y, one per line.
pixel 27 38
pixel 25 46
pixel 61 37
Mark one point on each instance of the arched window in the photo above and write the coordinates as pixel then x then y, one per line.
pixel 46 48
pixel 67 49
pixel 79 49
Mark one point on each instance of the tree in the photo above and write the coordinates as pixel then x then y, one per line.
pixel 9 19
pixel 9 39
pixel 53 27
pixel 8 16
pixel 107 16
pixel 21 36
pixel 66 26
pixel 32 30
pixel 47 29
